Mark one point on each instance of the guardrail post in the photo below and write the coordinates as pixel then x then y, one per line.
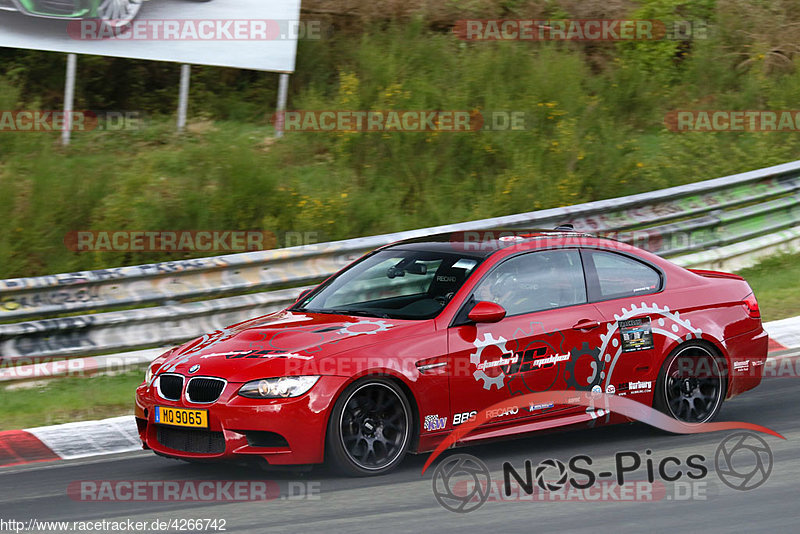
pixel 183 98
pixel 69 98
pixel 283 95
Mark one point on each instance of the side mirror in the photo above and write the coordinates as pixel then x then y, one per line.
pixel 304 294
pixel 486 312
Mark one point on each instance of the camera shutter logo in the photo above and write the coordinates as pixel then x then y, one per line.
pixel 553 484
pixel 451 472
pixel 743 461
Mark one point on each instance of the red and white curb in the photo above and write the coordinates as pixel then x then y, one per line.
pixel 69 441
pixel 783 334
pixel 119 434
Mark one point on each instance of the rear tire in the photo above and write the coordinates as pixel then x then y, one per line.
pixel 370 428
pixel 691 385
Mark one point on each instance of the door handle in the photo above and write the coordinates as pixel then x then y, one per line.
pixel 585 324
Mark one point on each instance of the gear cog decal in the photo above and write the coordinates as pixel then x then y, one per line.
pixel 597 368
pixel 611 348
pixel 521 383
pixel 347 329
pixel 475 359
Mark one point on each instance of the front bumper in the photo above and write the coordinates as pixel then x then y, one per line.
pixel 281 431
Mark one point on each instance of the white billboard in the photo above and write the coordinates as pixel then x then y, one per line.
pixel 248 34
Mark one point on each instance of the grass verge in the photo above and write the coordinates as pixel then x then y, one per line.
pixel 774 281
pixel 68 399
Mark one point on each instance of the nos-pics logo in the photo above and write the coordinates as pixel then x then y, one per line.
pixel 462 483
pixel 449 489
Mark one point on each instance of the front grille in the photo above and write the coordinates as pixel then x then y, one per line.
pixel 191 440
pixel 56 7
pixel 170 386
pixel 204 390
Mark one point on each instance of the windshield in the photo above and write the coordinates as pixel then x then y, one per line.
pixel 401 284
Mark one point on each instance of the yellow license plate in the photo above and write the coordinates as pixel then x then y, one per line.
pixel 181 417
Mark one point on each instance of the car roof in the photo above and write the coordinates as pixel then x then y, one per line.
pixel 484 243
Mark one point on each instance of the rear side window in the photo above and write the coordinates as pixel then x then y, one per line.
pixel 619 276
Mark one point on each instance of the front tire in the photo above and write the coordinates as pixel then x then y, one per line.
pixel 116 15
pixel 369 430
pixel 691 385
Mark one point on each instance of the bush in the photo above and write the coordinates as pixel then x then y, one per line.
pixel 595 129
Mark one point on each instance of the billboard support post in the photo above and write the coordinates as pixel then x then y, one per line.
pixel 183 99
pixel 283 95
pixel 69 98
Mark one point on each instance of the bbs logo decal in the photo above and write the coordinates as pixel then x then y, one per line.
pixel 463 417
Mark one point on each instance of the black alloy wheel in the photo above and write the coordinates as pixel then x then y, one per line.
pixel 370 428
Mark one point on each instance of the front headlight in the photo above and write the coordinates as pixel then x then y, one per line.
pixel 278 388
pixel 148 375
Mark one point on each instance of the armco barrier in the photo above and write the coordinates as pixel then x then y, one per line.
pixel 704 224
pixel 134 329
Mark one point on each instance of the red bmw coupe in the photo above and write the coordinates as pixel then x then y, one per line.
pixel 389 355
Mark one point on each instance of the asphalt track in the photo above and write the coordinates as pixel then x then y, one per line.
pixel 403 501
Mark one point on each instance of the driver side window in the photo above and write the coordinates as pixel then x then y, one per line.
pixel 536 281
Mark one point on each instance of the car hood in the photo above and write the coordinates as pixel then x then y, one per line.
pixel 280 344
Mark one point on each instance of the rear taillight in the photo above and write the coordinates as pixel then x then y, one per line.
pixel 751 304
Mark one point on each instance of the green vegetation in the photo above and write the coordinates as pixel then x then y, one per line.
pixel 774 281
pixel 596 112
pixel 68 399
